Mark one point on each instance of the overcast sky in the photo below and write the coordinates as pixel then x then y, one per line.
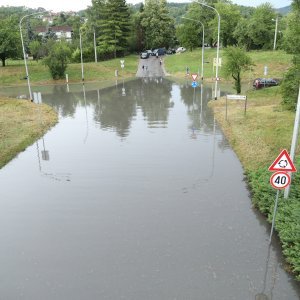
pixel 75 5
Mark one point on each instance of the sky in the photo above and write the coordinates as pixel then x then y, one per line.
pixel 75 5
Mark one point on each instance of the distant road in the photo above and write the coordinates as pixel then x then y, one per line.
pixel 152 67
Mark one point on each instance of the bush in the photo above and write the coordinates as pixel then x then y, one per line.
pixel 58 59
pixel 290 85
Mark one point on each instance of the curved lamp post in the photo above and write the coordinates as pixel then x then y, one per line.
pixel 202 62
pixel 23 47
pixel 24 54
pixel 218 44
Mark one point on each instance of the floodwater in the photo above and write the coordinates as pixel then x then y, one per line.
pixel 134 194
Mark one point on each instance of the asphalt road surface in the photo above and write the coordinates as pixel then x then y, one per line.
pixel 151 67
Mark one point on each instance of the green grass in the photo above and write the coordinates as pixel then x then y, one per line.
pixel 21 123
pixel 14 72
pixel 258 138
pixel 277 62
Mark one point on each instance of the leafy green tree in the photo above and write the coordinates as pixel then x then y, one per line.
pixel 242 35
pixel 230 16
pixel 291 81
pixel 189 33
pixel 236 61
pixel 111 20
pixel 158 25
pixel 10 41
pixel 261 27
pixel 36 49
pixel 58 59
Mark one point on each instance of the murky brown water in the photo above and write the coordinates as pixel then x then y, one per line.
pixel 140 197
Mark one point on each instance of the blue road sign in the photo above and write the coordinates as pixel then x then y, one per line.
pixel 194 84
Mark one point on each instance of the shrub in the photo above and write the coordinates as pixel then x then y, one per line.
pixel 58 59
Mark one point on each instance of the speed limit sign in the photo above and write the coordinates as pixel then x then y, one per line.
pixel 280 180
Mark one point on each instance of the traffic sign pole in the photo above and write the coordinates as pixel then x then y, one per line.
pixel 274 215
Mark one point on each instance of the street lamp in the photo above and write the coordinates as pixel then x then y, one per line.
pixel 81 59
pixel 202 62
pixel 275 34
pixel 23 47
pixel 218 45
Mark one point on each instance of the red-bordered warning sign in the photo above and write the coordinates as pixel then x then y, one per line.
pixel 283 163
pixel 194 76
pixel 280 180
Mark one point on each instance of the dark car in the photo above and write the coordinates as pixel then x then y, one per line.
pixel 259 83
pixel 171 51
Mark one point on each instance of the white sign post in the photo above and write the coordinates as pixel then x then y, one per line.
pixel 236 97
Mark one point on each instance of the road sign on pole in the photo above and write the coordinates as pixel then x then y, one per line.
pixel 194 84
pixel 194 76
pixel 283 162
pixel 280 180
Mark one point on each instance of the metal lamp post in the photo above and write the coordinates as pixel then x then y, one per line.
pixel 81 59
pixel 218 45
pixel 23 47
pixel 276 30
pixel 202 61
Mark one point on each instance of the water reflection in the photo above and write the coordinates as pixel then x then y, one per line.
pixel 154 214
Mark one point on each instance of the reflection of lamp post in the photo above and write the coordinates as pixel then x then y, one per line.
pixel 23 47
pixel 202 62
pixel 218 45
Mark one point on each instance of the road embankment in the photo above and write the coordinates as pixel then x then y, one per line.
pixel 21 123
pixel 257 138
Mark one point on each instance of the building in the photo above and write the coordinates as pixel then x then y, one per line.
pixel 61 32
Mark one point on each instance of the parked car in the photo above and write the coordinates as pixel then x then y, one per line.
pixel 171 51
pixel 154 52
pixel 149 52
pixel 180 49
pixel 144 55
pixel 259 83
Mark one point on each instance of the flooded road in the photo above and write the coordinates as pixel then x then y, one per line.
pixel 134 194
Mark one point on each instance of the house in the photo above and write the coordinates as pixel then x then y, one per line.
pixel 61 32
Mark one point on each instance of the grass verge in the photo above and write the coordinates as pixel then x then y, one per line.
pixel 276 61
pixel 21 123
pixel 14 72
pixel 257 138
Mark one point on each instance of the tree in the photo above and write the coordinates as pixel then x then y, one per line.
pixel 291 81
pixel 58 58
pixel 158 25
pixel 230 16
pixel 261 27
pixel 111 19
pixel 236 61
pixel 10 42
pixel 36 49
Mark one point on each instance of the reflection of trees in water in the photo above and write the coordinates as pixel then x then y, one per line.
pixel 200 115
pixel 153 97
pixel 65 103
pixel 112 110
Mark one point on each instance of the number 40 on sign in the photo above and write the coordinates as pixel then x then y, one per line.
pixel 280 180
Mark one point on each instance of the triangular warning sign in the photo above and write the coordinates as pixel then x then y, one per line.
pixel 283 163
pixel 194 76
